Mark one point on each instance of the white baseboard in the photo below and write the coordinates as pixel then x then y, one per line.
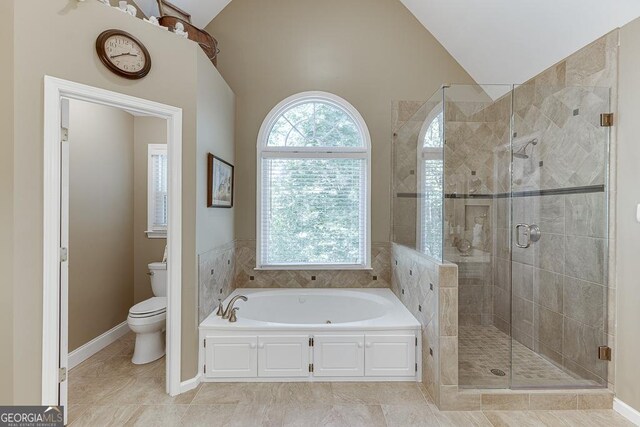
pixel 626 411
pixel 187 385
pixel 81 354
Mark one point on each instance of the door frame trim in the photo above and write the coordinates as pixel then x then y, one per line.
pixel 54 90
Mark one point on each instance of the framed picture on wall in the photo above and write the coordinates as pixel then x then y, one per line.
pixel 219 183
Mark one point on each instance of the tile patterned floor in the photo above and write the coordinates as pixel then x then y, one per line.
pixel 107 390
pixel 483 348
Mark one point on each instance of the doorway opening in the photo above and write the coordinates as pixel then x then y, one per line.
pixel 58 249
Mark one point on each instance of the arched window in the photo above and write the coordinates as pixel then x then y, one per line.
pixel 313 185
pixel 430 184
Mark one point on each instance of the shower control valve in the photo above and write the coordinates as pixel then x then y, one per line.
pixel 531 233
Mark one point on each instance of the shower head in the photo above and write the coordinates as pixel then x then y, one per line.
pixel 522 153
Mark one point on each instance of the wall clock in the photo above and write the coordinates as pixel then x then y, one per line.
pixel 123 54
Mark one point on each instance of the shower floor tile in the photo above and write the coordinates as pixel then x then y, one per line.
pixel 485 348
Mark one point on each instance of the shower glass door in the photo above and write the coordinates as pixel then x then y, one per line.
pixel 477 181
pixel 559 236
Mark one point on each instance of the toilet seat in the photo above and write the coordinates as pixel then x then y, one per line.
pixel 149 308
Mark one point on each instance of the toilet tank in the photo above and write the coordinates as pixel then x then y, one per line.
pixel 158 275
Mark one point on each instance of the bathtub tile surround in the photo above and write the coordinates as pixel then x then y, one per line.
pixel 230 266
pixel 247 277
pixel 216 270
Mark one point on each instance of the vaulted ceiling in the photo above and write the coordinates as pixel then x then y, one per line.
pixel 510 41
pixel 496 41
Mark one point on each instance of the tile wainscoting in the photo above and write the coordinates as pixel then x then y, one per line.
pixel 216 270
pixel 429 290
pixel 247 277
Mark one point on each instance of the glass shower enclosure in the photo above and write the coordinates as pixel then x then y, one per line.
pixel 511 184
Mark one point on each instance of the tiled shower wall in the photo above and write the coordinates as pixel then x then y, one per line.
pixel 553 296
pixel 476 164
pixel 561 284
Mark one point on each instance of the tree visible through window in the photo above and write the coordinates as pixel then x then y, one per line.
pixel 431 186
pixel 314 177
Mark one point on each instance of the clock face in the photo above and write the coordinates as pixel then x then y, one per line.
pixel 123 54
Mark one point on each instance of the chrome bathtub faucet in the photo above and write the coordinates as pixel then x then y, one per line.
pixel 232 317
pixel 229 311
pixel 220 311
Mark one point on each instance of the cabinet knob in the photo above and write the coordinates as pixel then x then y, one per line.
pixel 368 345
pixel 359 345
pixel 260 345
pixel 252 345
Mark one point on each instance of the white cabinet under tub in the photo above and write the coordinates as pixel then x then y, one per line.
pixel 390 355
pixel 300 356
pixel 283 356
pixel 338 355
pixel 231 356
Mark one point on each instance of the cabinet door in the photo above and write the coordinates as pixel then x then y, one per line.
pixel 338 355
pixel 390 355
pixel 283 356
pixel 230 357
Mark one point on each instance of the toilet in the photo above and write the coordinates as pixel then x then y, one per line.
pixel 147 319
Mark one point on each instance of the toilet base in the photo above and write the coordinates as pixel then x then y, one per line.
pixel 149 347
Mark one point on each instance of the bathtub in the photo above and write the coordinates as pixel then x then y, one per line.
pixel 312 335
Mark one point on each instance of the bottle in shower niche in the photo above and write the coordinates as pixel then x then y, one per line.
pixel 475 183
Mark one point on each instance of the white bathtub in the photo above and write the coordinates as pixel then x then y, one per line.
pixel 312 335
pixel 318 309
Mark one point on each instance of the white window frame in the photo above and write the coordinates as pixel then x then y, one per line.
pixel 263 151
pixel 425 153
pixel 153 232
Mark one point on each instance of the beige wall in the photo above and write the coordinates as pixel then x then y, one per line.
pixel 100 220
pixel 369 52
pixel 6 202
pixel 215 134
pixel 627 228
pixel 215 129
pixel 107 279
pixel 147 130
pixel 172 81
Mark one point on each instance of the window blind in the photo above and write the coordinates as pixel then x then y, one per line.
pixel 159 183
pixel 314 211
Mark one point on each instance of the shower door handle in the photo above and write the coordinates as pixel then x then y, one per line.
pixel 531 232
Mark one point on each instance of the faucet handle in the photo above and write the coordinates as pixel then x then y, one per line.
pixel 220 311
pixel 233 318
